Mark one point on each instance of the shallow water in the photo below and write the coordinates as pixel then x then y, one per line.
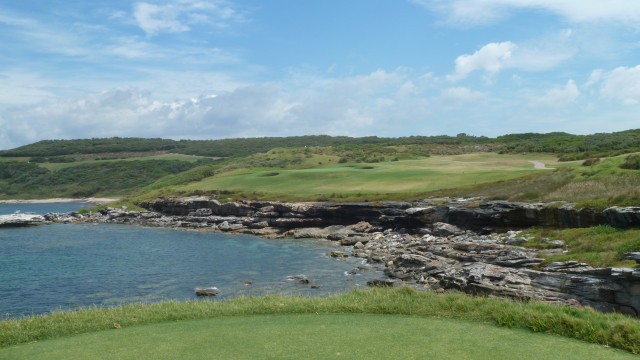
pixel 63 266
pixel 6 209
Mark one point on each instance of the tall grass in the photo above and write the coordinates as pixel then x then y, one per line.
pixel 584 324
pixel 601 246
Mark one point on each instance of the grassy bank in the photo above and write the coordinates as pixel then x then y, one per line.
pixel 598 186
pixel 600 246
pixel 605 329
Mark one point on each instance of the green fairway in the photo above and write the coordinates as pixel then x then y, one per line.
pixel 349 336
pixel 400 177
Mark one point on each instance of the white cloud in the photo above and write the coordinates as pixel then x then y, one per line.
pixel 622 83
pixel 559 97
pixel 495 57
pixel 478 12
pixel 178 16
pixel 491 58
pixel 377 103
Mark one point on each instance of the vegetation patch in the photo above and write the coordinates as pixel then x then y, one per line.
pixel 631 162
pixel 29 180
pixel 600 246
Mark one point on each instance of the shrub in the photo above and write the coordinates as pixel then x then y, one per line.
pixel 591 161
pixel 631 162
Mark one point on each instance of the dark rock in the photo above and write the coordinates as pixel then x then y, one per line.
pixel 632 256
pixel 429 214
pixel 337 254
pixel 201 212
pixel 300 279
pixel 623 217
pixel 382 283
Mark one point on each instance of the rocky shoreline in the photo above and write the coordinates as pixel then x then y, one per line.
pixel 439 244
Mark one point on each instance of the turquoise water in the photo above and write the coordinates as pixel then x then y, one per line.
pixel 64 266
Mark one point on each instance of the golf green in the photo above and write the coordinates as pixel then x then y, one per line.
pixel 341 336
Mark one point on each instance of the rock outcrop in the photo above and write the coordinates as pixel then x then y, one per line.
pixel 464 213
pixel 487 264
pixel 19 219
pixel 437 244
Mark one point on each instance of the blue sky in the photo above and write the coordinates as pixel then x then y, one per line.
pixel 207 69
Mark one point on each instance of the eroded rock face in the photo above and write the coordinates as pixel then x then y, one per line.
pixel 486 264
pixel 474 214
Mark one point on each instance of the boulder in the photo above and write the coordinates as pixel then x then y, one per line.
pixel 337 254
pixel 208 291
pixel 623 217
pixel 382 283
pixel 444 229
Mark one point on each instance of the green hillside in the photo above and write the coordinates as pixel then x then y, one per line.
pixel 331 168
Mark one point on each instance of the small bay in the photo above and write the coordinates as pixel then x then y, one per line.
pixel 66 266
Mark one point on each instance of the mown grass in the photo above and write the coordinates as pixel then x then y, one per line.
pixel 380 180
pixel 315 336
pixel 601 246
pixel 606 329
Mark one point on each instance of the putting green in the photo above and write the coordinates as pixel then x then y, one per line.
pixel 351 336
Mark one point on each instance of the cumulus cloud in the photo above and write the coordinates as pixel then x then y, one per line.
pixel 495 57
pixel 559 97
pixel 479 12
pixel 621 83
pixel 178 16
pixel 491 58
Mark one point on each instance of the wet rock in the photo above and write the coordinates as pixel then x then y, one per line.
pixel 337 254
pixel 208 291
pixel 382 283
pixel 300 279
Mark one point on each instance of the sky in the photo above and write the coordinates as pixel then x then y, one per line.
pixel 210 69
